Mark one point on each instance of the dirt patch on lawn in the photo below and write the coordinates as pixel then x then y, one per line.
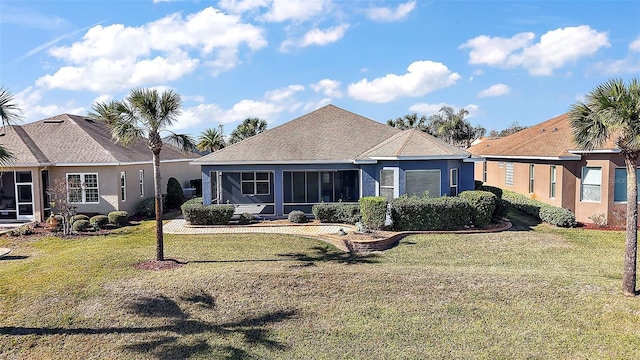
pixel 156 265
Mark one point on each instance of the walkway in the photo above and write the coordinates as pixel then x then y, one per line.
pixel 178 226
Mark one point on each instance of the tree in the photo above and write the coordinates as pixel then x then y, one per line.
pixel 452 126
pixel 10 114
pixel 211 140
pixel 248 128
pixel 512 129
pixel 144 115
pixel 410 121
pixel 611 111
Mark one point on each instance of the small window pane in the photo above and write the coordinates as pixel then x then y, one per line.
pixel 262 188
pixel 247 176
pixel 247 188
pixel 262 176
pixel 386 178
pixel 387 192
pixel 23 176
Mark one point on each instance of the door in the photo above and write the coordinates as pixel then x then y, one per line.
pixel 24 190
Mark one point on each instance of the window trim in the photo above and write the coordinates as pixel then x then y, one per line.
pixel 439 171
pixel 123 186
pixel 394 187
pixel 582 183
pixel 508 169
pixel 255 183
pixel 453 185
pixel 141 182
pixel 532 179
pixel 83 188
pixel 553 178
pixel 484 171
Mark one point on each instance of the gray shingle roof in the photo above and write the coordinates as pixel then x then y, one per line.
pixel 71 139
pixel 329 134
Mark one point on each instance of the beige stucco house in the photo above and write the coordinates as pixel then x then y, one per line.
pixel 77 150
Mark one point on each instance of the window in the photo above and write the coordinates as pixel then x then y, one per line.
pixel 620 186
pixel 255 183
pixel 310 187
pixel 453 182
pixel 552 182
pixel 83 188
pixel 591 181
pixel 484 171
pixel 387 183
pixel 422 182
pixel 123 186
pixel 531 178
pixel 141 182
pixel 508 174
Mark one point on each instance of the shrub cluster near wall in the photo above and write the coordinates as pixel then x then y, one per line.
pixel 422 213
pixel 483 204
pixel 198 214
pixel 374 211
pixel 548 213
pixel 337 213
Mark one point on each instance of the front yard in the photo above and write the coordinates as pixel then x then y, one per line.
pixel 532 292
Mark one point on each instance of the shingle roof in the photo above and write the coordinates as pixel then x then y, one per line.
pixel 413 144
pixel 329 134
pixel 550 139
pixel 72 139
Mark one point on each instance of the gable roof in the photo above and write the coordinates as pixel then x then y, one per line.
pixel 552 139
pixel 329 134
pixel 413 144
pixel 76 140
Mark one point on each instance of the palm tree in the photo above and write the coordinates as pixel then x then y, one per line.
pixel 10 114
pixel 451 126
pixel 248 128
pixel 211 140
pixel 145 114
pixel 410 121
pixel 611 111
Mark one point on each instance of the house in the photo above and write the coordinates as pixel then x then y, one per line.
pixel 75 149
pixel 543 163
pixel 330 155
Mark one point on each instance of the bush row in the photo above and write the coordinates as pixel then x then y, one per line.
pixel 82 222
pixel 548 213
pixel 423 213
pixel 199 214
pixel 337 213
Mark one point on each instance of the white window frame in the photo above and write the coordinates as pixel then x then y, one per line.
pixel 83 187
pixel 123 186
pixel 508 174
pixel 439 193
pixel 255 183
pixel 453 181
pixel 394 187
pixel 583 183
pixel 553 176
pixel 532 184
pixel 141 182
pixel 484 171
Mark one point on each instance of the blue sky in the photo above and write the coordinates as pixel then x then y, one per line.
pixel 503 61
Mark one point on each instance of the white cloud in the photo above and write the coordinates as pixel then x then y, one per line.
pixel 315 105
pixel 555 49
pixel 422 77
pixel 430 109
pixel 635 45
pixel 33 109
pixel 240 6
pixel 296 10
pixel 324 37
pixel 328 87
pixel 117 57
pixel 495 90
pixel 384 14
pixel 283 94
pixel 628 65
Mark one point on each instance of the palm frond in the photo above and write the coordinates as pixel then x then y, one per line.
pixel 182 141
pixel 126 132
pixel 10 113
pixel 6 157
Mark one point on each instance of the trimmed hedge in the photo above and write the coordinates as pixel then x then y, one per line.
pixel 81 225
pixel 297 216
pixel 483 204
pixel 373 210
pixel 548 213
pixel 147 207
pixel 175 196
pixel 245 218
pixel 198 214
pixel 337 213
pixel 194 201
pixel 75 218
pixel 492 189
pixel 118 218
pixel 420 213
pixel 99 221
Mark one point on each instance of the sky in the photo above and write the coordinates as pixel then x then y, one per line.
pixel 502 61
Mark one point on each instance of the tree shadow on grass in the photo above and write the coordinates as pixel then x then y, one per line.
pixel 521 221
pixel 254 330
pixel 324 254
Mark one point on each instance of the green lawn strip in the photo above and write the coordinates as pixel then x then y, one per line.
pixel 542 293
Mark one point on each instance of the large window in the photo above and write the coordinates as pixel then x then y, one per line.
pixel 508 174
pixel 388 183
pixel 309 187
pixel 123 186
pixel 531 179
pixel 591 183
pixel 453 182
pixel 83 188
pixel 422 182
pixel 552 182
pixel 620 186
pixel 255 183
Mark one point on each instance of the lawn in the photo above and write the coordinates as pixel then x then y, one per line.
pixel 532 292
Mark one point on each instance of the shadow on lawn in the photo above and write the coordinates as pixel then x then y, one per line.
pixel 521 221
pixel 253 329
pixel 325 254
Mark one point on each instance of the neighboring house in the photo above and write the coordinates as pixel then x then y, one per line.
pixel 331 155
pixel 75 149
pixel 543 162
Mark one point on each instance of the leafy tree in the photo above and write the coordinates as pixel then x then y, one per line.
pixel 410 121
pixel 452 126
pixel 143 115
pixel 10 114
pixel 611 111
pixel 248 128
pixel 511 129
pixel 211 140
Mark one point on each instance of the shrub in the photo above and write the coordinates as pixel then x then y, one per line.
pixel 99 221
pixel 78 217
pixel 196 184
pixel 373 210
pixel 501 210
pixel 245 218
pixel 477 184
pixel 118 218
pixel 418 213
pixel 599 219
pixel 337 213
pixel 492 189
pixel 548 213
pixel 194 201
pixel 55 222
pixel 175 196
pixel 21 230
pixel 198 214
pixel 483 204
pixel 147 207
pixel 297 216
pixel 81 225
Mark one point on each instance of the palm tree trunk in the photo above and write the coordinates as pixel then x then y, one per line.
pixel 631 242
pixel 157 185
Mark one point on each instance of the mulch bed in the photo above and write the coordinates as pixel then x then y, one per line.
pixel 156 265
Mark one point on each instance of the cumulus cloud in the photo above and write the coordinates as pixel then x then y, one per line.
pixel 328 87
pixel 384 14
pixel 635 45
pixel 295 10
pixel 555 49
pixel 422 77
pixel 495 90
pixel 33 108
pixel 117 57
pixel 240 6
pixel 317 37
pixel 430 109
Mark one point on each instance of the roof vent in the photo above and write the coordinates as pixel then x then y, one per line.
pixel 555 129
pixel 542 130
pixel 53 121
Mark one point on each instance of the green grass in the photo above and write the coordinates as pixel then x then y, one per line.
pixel 533 292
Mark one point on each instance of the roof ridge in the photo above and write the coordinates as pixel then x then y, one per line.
pixel 404 144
